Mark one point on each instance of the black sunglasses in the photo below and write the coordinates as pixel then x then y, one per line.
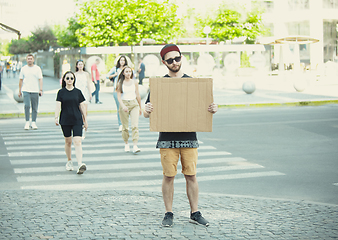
pixel 171 60
pixel 71 78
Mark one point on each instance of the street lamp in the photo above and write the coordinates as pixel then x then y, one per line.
pixel 207 30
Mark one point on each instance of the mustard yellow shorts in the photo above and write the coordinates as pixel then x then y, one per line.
pixel 169 160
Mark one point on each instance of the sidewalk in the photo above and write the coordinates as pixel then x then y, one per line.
pixel 119 214
pixel 270 91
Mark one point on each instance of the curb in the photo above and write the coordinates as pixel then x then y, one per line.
pixel 240 105
pixel 286 104
pixel 49 114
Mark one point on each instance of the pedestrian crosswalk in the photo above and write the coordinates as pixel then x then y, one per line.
pixel 38 160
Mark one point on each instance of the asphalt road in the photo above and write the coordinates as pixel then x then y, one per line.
pixel 301 143
pixel 286 153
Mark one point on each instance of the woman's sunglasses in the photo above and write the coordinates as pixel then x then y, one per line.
pixel 171 60
pixel 69 78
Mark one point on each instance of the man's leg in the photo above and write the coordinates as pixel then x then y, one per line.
pixel 169 160
pixel 168 192
pixel 192 192
pixel 27 103
pixel 97 85
pixel 34 97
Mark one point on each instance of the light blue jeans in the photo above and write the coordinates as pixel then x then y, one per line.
pixel 117 107
pixel 31 99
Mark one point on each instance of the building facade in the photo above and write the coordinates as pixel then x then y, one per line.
pixel 315 18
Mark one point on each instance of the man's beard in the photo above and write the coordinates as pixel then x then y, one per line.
pixel 174 70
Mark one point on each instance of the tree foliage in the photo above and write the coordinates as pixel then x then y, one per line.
pixel 41 39
pixel 66 36
pixel 126 22
pixel 227 24
pixel 22 45
pixel 4 47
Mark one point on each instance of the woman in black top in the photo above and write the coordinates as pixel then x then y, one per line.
pixel 71 102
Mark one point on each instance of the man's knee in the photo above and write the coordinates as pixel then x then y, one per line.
pixel 168 179
pixel 190 178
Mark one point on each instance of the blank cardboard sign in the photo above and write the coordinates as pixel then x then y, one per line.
pixel 181 104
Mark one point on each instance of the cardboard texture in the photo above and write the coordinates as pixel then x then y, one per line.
pixel 181 104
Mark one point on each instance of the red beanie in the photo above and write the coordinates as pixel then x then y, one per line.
pixel 169 48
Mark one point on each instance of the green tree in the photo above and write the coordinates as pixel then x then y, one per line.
pixel 4 47
pixel 227 24
pixel 43 38
pixel 23 45
pixel 111 22
pixel 66 36
pixel 253 26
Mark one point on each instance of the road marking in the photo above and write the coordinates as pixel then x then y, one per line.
pixel 118 166
pixel 101 151
pixel 96 146
pixel 133 174
pixel 61 140
pixel 125 184
pixel 43 167
pixel 49 135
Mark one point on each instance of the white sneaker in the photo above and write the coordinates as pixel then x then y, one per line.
pixel 127 148
pixel 34 127
pixel 136 149
pixel 120 128
pixel 82 168
pixel 27 125
pixel 69 166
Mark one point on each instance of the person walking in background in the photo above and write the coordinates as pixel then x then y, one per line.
pixel 113 75
pixel 70 113
pixel 130 105
pixel 83 82
pixel 96 79
pixel 65 68
pixel 8 69
pixel 30 85
pixel 14 68
pixel 0 75
pixel 141 71
pixel 175 144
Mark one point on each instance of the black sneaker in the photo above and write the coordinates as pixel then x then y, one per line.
pixel 168 219
pixel 197 218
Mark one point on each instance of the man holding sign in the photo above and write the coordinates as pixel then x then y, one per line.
pixel 175 144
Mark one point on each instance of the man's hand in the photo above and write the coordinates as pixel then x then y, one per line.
pixel 213 107
pixel 149 108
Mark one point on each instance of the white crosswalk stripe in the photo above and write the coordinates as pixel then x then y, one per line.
pixel 38 161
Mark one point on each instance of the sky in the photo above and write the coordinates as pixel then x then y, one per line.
pixel 27 15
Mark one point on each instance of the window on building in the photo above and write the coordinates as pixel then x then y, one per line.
pixel 299 28
pixel 268 5
pixel 330 3
pixel 298 4
pixel 330 40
